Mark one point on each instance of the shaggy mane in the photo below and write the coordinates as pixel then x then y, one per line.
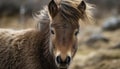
pixel 69 11
pixel 71 7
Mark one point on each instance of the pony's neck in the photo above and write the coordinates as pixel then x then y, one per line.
pixel 45 45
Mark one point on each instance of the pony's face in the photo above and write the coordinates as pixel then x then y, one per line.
pixel 64 44
pixel 63 35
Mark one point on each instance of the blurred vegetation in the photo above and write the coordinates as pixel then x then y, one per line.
pixel 106 7
pixel 13 7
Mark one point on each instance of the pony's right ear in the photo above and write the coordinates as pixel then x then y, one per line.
pixel 53 8
pixel 82 6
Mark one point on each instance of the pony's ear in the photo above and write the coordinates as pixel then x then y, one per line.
pixel 53 9
pixel 82 6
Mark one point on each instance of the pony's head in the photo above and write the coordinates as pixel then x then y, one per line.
pixel 65 19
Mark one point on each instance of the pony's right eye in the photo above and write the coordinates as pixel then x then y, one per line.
pixel 52 32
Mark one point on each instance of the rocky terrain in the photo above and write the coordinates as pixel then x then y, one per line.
pixel 99 46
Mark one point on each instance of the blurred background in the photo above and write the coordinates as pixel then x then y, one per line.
pixel 99 43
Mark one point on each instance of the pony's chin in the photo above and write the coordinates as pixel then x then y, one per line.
pixel 62 66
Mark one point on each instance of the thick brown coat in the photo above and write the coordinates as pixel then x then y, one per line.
pixel 28 49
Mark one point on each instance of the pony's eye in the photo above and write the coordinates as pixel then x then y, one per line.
pixel 76 33
pixel 52 32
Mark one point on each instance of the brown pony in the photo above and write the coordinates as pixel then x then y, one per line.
pixel 52 45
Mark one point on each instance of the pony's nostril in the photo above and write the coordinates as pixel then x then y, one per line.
pixel 68 59
pixel 58 59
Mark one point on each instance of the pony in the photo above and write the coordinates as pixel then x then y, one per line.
pixel 52 44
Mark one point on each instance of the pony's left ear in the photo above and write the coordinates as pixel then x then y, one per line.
pixel 82 6
pixel 53 8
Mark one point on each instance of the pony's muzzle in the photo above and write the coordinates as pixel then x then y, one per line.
pixel 63 63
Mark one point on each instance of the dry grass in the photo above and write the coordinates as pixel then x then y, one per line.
pixel 16 23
